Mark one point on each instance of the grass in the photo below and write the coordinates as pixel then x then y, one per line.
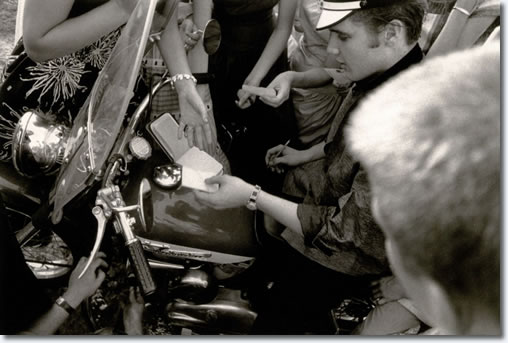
pixel 8 9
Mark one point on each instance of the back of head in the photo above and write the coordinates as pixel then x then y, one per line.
pixel 430 141
pixel 409 12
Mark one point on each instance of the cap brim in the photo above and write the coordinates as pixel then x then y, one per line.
pixel 329 18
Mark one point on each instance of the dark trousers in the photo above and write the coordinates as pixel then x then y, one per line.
pixel 22 297
pixel 302 295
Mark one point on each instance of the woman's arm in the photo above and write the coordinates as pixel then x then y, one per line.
pixel 283 83
pixel 194 115
pixel 49 33
pixel 453 30
pixel 275 46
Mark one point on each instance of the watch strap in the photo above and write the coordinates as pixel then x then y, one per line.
pixel 61 302
pixel 251 203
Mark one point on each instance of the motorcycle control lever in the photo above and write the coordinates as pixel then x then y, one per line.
pixel 98 212
pixel 109 201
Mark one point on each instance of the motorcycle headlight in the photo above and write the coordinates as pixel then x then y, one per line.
pixel 38 144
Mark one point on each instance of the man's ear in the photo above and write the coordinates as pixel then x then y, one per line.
pixel 393 32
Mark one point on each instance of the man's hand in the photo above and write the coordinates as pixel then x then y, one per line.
pixel 282 155
pixel 133 312
pixel 233 192
pixel 80 289
pixel 282 86
pixel 194 122
pixel 387 289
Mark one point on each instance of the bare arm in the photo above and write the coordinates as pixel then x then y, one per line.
pixel 78 290
pixel 234 192
pixel 193 111
pixel 291 79
pixel 456 27
pixel 49 33
pixel 275 46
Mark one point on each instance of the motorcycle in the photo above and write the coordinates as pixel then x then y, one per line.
pixel 183 254
pixel 111 158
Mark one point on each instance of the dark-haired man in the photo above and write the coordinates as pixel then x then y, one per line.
pixel 373 40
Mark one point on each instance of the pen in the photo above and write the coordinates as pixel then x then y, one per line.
pixel 281 150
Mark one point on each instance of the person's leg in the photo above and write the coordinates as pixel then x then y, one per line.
pixel 387 319
pixel 22 297
pixel 302 295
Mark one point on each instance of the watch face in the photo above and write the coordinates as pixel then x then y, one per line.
pixel 251 205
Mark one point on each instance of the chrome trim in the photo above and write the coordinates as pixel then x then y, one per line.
pixel 176 251
pixel 38 144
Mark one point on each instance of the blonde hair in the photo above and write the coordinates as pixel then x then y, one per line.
pixel 430 142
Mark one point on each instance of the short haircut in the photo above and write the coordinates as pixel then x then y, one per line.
pixel 410 12
pixel 430 142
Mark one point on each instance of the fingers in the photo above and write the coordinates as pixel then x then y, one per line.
pixel 274 101
pixel 245 99
pixel 181 130
pixel 189 133
pixel 214 179
pixel 271 153
pixel 135 295
pixel 208 136
pixel 203 197
pixel 99 263
pixel 198 137
pixel 100 277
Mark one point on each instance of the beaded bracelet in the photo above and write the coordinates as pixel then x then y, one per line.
pixel 180 77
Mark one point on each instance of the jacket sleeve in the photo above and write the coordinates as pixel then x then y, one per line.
pixel 347 232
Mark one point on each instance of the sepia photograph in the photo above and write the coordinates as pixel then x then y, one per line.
pixel 252 168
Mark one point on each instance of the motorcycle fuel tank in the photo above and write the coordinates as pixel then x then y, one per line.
pixel 177 219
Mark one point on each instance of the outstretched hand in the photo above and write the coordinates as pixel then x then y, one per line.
pixel 233 192
pixel 81 288
pixel 282 86
pixel 245 99
pixel 194 122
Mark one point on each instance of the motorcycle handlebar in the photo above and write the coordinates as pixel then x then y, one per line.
pixel 141 266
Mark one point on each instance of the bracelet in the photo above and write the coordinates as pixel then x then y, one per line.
pixel 461 10
pixel 251 203
pixel 180 77
pixel 65 305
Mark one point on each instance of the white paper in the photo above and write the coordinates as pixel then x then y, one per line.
pixel 195 179
pixel 197 166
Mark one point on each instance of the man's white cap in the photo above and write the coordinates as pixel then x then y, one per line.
pixel 334 11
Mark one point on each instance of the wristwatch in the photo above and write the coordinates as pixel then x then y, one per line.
pixel 251 203
pixel 65 305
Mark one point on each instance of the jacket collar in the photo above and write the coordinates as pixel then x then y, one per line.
pixel 412 57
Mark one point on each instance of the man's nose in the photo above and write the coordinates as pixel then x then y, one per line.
pixel 333 46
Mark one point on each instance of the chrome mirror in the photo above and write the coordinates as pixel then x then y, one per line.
pixel 145 205
pixel 211 36
pixel 168 176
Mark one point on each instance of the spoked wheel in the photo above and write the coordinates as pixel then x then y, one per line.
pixel 45 252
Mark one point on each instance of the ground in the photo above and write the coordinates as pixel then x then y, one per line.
pixel 8 10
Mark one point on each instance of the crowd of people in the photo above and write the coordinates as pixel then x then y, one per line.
pixel 373 160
